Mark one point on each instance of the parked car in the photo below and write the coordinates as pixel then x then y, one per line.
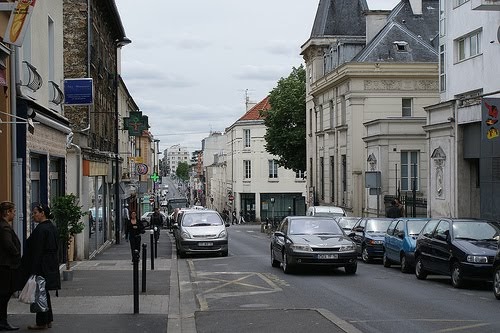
pixel 326 211
pixel 399 243
pixel 496 273
pixel 347 223
pixel 200 231
pixel 306 240
pixel 146 218
pixel 368 234
pixel 461 248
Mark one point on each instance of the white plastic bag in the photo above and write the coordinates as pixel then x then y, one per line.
pixel 27 295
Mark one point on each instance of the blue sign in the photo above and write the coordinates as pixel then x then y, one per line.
pixel 78 91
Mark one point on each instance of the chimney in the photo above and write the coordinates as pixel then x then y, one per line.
pixel 375 21
pixel 416 6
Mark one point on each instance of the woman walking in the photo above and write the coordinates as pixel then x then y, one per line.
pixel 40 258
pixel 10 260
pixel 133 231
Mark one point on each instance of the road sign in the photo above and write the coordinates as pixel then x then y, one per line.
pixel 230 197
pixel 152 199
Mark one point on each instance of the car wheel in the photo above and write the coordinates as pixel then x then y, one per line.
pixel 287 269
pixel 274 262
pixel 457 280
pixel 385 261
pixel 420 271
pixel 496 283
pixel 405 267
pixel 351 269
pixel 364 255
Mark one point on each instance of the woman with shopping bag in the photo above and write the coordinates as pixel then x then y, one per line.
pixel 40 258
pixel 10 259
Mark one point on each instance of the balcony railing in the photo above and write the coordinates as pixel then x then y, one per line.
pixel 56 95
pixel 34 79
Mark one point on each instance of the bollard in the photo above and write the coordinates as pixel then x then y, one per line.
pixel 152 250
pixel 157 235
pixel 144 257
pixel 136 281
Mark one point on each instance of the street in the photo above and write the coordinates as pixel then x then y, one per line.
pixel 243 292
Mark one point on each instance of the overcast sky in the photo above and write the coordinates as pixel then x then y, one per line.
pixel 191 61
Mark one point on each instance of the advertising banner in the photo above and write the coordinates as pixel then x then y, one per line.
pixel 18 22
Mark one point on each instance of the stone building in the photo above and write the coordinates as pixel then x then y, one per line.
pixel 369 76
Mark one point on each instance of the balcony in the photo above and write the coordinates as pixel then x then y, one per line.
pixel 493 5
pixel 56 95
pixel 34 79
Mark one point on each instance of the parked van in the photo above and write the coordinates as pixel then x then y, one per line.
pixel 326 211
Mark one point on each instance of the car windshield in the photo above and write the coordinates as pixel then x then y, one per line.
pixel 377 225
pixel 347 223
pixel 476 230
pixel 415 226
pixel 314 227
pixel 201 220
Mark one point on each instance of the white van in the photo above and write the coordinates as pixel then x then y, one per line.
pixel 326 211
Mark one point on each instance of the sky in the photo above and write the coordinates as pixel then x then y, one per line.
pixel 192 63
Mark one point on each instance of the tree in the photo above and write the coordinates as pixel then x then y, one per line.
pixel 182 171
pixel 67 214
pixel 286 121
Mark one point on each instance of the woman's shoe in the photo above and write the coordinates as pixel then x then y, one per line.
pixel 38 327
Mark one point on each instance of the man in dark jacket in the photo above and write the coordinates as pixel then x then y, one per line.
pixel 156 221
pixel 393 211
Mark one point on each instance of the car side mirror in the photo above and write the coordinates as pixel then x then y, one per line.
pixel 227 224
pixel 401 234
pixel 351 234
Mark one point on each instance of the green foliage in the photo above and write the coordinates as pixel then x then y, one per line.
pixel 286 121
pixel 182 171
pixel 67 214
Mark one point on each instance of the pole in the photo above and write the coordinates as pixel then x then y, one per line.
pixel 151 232
pixel 157 235
pixel 144 256
pixel 117 159
pixel 136 281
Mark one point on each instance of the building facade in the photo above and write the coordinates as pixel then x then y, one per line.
pixel 175 155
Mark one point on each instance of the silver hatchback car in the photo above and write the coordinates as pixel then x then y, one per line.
pixel 200 231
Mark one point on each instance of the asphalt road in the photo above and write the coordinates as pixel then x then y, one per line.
pixel 376 299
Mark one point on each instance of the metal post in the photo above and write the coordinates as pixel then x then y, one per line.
pixel 136 281
pixel 144 256
pixel 157 235
pixel 151 232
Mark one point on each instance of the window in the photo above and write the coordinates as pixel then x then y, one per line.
pixel 442 231
pixel 409 170
pixel 320 110
pixel 247 138
pixel 406 107
pixel 344 173
pixel 310 122
pixel 332 114
pixel 56 178
pixel 442 68
pixel 442 18
pixel 468 46
pixel 247 169
pixel 299 174
pixel 322 176
pixel 429 228
pixel 460 2
pixel 332 178
pixel 273 169
pixel 343 110
pixel 35 180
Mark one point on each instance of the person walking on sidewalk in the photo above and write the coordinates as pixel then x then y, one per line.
pixel 40 258
pixel 156 221
pixel 133 232
pixel 10 260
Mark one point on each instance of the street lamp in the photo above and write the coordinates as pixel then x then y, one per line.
pixel 119 43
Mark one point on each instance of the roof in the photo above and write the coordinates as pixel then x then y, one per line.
pixel 255 112
pixel 340 18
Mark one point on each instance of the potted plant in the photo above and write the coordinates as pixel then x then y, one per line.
pixel 67 214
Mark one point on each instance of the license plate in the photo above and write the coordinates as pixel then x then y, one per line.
pixel 205 244
pixel 328 256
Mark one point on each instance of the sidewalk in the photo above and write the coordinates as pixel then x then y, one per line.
pixel 100 296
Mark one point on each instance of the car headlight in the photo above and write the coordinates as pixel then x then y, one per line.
pixel 185 235
pixel 477 259
pixel 301 247
pixel 374 242
pixel 222 234
pixel 347 248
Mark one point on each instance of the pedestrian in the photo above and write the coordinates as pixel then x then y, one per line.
pixel 133 232
pixel 41 258
pixel 393 211
pixel 10 260
pixel 401 207
pixel 242 218
pixel 233 218
pixel 156 221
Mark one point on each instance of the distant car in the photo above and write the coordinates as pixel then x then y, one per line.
pixel 347 223
pixel 461 248
pixel 368 234
pixel 326 211
pixel 400 240
pixel 200 231
pixel 146 218
pixel 306 240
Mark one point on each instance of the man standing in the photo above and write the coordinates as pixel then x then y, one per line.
pixel 393 211
pixel 157 221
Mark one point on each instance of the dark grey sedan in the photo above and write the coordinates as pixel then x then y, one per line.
pixel 307 240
